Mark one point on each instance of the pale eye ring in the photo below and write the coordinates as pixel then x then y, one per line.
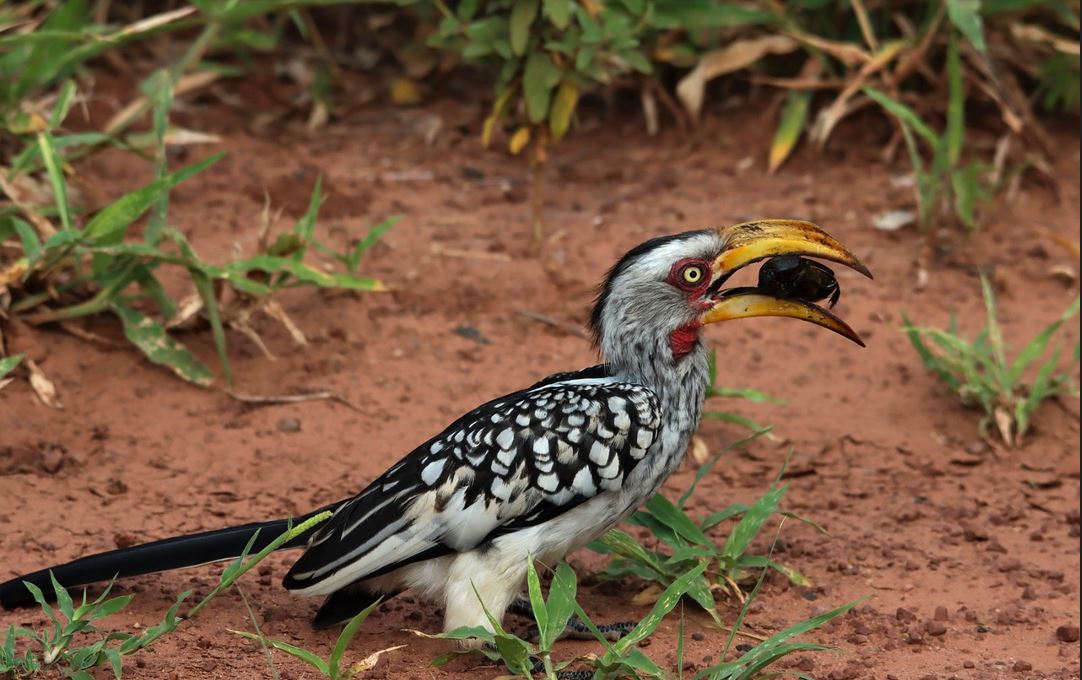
pixel 692 274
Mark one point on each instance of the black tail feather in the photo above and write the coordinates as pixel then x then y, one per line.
pixel 342 605
pixel 148 558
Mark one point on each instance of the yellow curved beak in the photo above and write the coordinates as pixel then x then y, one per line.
pixel 753 241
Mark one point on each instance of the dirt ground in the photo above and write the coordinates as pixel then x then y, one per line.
pixel 967 555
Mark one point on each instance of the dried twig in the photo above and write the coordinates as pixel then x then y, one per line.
pixel 270 399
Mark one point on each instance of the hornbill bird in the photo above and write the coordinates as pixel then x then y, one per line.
pixel 539 472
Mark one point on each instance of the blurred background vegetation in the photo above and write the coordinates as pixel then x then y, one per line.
pixel 965 84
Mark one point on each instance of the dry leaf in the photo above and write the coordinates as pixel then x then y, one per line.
pixel 700 452
pixel 369 662
pixel 186 311
pixel 144 25
pixel 1039 34
pixel 275 311
pixel 1005 425
pixel 728 59
pixel 404 92
pixel 648 595
pixel 893 220
pixel 42 386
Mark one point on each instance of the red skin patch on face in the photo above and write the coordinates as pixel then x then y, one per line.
pixel 683 339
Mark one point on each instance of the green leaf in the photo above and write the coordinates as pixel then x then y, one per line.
pixel 28 238
pixel 749 525
pixel 1035 347
pixel 54 168
pixel 966 17
pixel 904 114
pixel 537 602
pixel 64 99
pixel 150 337
pixel 746 393
pixel 540 76
pixel 558 12
pixel 522 15
pixel 8 364
pixel 561 603
pixel 675 518
pixel 563 108
pixel 956 114
pixel 111 223
pixel 294 651
pixel 354 625
pixel 624 545
pixel 306 225
pixel 210 305
pixel 663 606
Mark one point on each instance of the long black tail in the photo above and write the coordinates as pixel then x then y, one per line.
pixel 163 555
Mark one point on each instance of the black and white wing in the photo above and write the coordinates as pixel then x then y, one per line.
pixel 514 462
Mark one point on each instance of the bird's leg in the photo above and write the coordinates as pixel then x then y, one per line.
pixel 575 629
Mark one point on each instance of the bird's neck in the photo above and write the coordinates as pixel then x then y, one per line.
pixel 680 384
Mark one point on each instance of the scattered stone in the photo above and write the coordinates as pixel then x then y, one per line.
pixel 414 615
pixel 116 487
pixel 904 614
pixel 968 664
pixel 289 425
pixel 914 638
pixel 941 614
pixel 1022 666
pixel 471 333
pixel 52 459
pixel 698 637
pixel 1068 633
pixel 935 628
pixel 974 535
pixel 1028 593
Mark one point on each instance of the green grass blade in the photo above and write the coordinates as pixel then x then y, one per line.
pixel 1037 346
pixel 675 518
pixel 8 364
pixel 28 238
pixel 54 168
pixel 746 393
pixel 904 114
pixel 293 650
pixel 966 17
pixel 749 525
pixel 354 625
pixel 663 606
pixel 205 287
pixel 537 602
pixel 956 114
pixel 561 602
pixel 161 96
pixel 112 222
pixel 701 473
pixel 793 117
pixel 995 334
pixel 158 346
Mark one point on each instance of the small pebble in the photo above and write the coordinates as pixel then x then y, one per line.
pixel 935 628
pixel 698 637
pixel 289 425
pixel 1067 633
pixel 1021 666
pixel 941 614
pixel 968 664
